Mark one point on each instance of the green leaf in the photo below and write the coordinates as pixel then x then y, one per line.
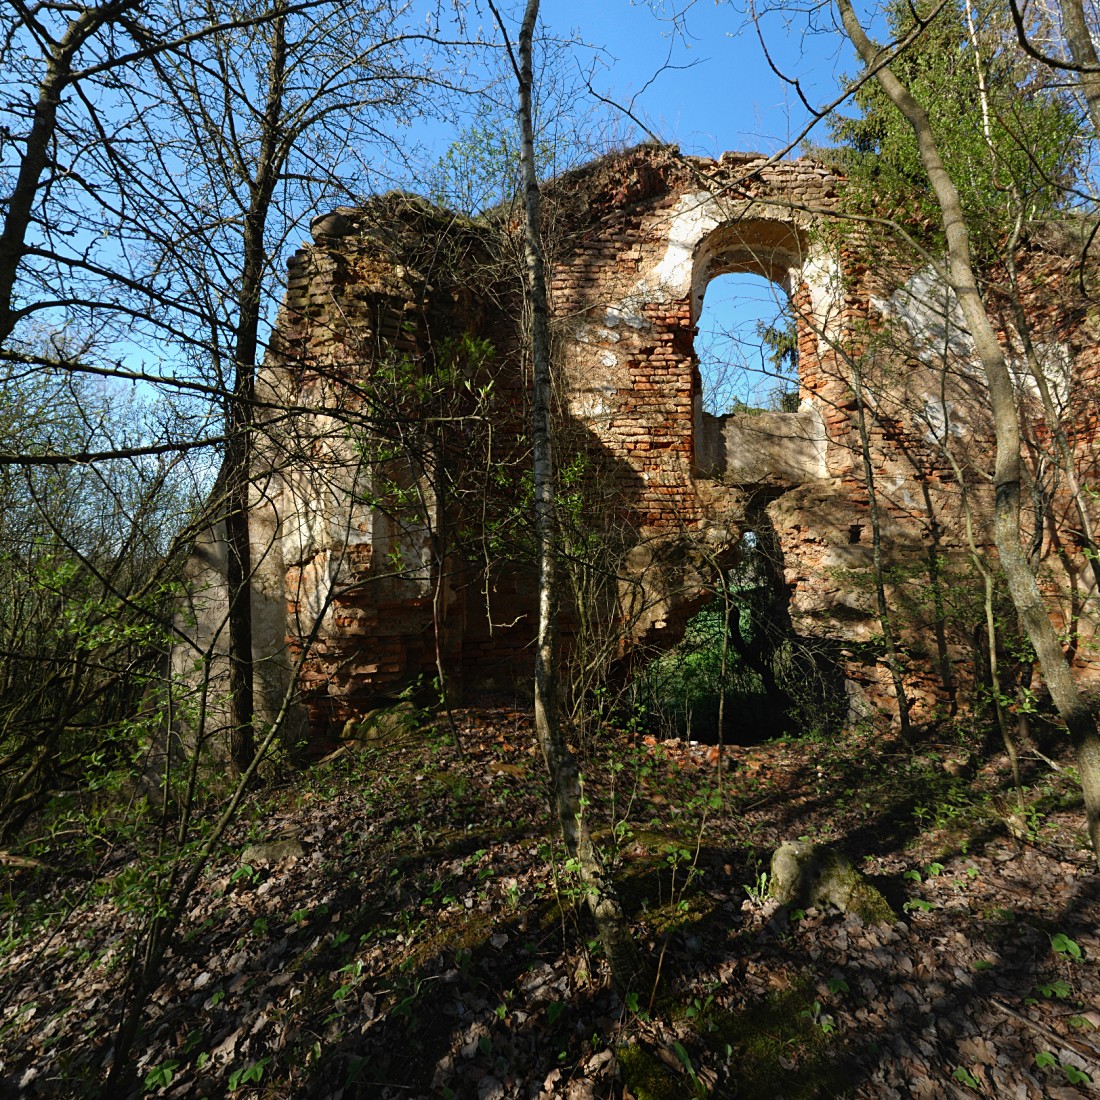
pixel 162 1076
pixel 1044 1059
pixel 685 1059
pixel 1057 988
pixel 965 1077
pixel 1063 945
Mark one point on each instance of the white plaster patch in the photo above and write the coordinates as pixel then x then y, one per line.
pixel 900 488
pixel 609 359
pixel 624 316
pixel 941 421
pixel 694 218
pixel 1056 364
pixel 932 316
pixel 589 406
pixel 821 272
pixel 587 334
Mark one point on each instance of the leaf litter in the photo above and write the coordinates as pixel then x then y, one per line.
pixel 402 923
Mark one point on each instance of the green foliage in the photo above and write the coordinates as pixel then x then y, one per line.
pixel 820 1017
pixel 86 592
pixel 1062 945
pixel 965 1077
pixel 780 681
pixel 1045 1060
pixel 1034 139
pixel 252 1074
pixel 481 167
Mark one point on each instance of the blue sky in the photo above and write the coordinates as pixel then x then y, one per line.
pixel 718 92
pixel 702 82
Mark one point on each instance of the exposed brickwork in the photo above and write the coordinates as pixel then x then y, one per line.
pixel 370 500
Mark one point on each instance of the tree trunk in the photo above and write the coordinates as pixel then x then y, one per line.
pixel 560 763
pixel 1076 33
pixel 884 617
pixel 1022 584
pixel 238 460
pixel 38 149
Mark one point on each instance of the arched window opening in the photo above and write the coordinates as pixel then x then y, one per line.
pixel 747 346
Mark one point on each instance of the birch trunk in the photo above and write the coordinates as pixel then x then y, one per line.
pixel 561 765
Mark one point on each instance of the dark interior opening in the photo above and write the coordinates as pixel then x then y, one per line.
pixel 740 647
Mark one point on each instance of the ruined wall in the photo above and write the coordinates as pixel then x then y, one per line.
pixel 397 419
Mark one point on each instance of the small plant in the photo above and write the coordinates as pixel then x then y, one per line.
pixel 1045 1060
pixel 162 1076
pixel 820 1017
pixel 1062 945
pixel 246 870
pixel 251 1074
pixel 699 1010
pixel 965 1077
pixel 685 1060
pixel 919 904
pixel 1051 990
pixel 758 890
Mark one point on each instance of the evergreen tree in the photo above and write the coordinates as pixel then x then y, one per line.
pixel 1012 141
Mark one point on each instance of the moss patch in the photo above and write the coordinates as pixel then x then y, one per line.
pixel 777 1049
pixel 648 1078
pixel 869 905
pixel 806 874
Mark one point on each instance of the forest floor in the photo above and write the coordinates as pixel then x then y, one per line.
pixel 416 932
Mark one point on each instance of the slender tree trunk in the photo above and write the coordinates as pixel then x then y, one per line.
pixel 38 149
pixel 238 461
pixel 885 619
pixel 728 611
pixel 560 763
pixel 1022 584
pixel 1081 49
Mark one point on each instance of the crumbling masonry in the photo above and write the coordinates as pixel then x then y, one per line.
pixel 388 524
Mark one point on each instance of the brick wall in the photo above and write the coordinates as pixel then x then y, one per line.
pixel 389 442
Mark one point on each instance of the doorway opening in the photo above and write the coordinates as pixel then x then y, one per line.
pixel 740 674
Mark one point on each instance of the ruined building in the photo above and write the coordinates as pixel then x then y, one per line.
pixel 389 525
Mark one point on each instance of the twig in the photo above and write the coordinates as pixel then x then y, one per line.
pixel 1052 1036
